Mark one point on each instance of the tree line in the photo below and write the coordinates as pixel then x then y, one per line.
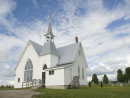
pixel 120 76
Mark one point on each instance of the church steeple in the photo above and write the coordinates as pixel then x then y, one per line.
pixel 49 35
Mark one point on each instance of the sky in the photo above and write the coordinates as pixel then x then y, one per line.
pixel 102 26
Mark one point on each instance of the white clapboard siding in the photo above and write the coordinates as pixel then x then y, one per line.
pixel 56 79
pixel 29 53
pixel 79 61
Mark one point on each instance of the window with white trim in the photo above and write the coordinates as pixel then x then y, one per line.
pixel 18 80
pixel 78 71
pixel 51 72
pixel 28 73
pixel 82 73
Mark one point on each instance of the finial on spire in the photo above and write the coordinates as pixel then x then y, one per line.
pixel 50 18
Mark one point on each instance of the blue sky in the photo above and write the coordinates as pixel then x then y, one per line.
pixel 103 27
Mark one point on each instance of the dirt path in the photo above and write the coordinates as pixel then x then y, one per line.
pixel 25 93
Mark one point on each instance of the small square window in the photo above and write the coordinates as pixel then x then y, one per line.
pixel 18 80
pixel 51 72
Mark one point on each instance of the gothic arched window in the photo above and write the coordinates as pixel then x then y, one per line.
pixel 28 73
pixel 45 66
pixel 82 73
pixel 78 71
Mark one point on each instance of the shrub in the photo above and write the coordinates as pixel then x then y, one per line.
pixel 2 85
pixel 101 84
pixel 9 86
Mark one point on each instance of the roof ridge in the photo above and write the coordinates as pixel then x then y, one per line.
pixel 68 45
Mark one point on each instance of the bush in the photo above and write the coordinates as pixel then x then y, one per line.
pixel 2 85
pixel 89 84
pixel 7 86
pixel 101 84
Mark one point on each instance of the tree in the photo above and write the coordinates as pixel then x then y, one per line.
pixel 89 84
pixel 101 84
pixel 127 73
pixel 94 78
pixel 120 75
pixel 105 79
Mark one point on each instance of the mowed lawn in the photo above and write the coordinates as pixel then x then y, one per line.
pixel 87 92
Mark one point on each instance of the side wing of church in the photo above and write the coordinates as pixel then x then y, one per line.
pixel 56 67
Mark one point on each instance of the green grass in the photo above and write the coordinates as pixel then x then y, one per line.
pixel 86 92
pixel 12 88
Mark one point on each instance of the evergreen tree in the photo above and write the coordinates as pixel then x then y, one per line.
pixel 127 72
pixel 120 75
pixel 105 79
pixel 101 84
pixel 94 78
pixel 89 84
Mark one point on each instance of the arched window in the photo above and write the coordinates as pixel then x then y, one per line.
pixel 28 73
pixel 45 66
pixel 78 71
pixel 82 73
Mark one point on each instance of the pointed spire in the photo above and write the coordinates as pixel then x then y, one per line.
pixel 49 28
pixel 50 18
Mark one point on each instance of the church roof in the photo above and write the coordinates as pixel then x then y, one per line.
pixel 60 66
pixel 49 47
pixel 67 54
pixel 37 47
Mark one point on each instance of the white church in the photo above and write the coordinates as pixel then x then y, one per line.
pixel 56 67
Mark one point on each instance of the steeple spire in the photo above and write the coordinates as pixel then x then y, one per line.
pixel 49 28
pixel 49 35
pixel 50 18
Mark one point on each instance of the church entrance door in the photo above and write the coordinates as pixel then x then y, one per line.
pixel 43 77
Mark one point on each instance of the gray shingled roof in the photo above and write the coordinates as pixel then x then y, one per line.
pixel 49 47
pixel 67 54
pixel 37 47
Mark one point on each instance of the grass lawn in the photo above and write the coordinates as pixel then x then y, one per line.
pixel 86 92
pixel 12 88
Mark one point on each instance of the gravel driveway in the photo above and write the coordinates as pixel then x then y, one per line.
pixel 24 93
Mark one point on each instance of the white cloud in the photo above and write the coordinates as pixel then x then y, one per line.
pixel 35 4
pixel 10 82
pixel 127 2
pixel 6 66
pixel 0 80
